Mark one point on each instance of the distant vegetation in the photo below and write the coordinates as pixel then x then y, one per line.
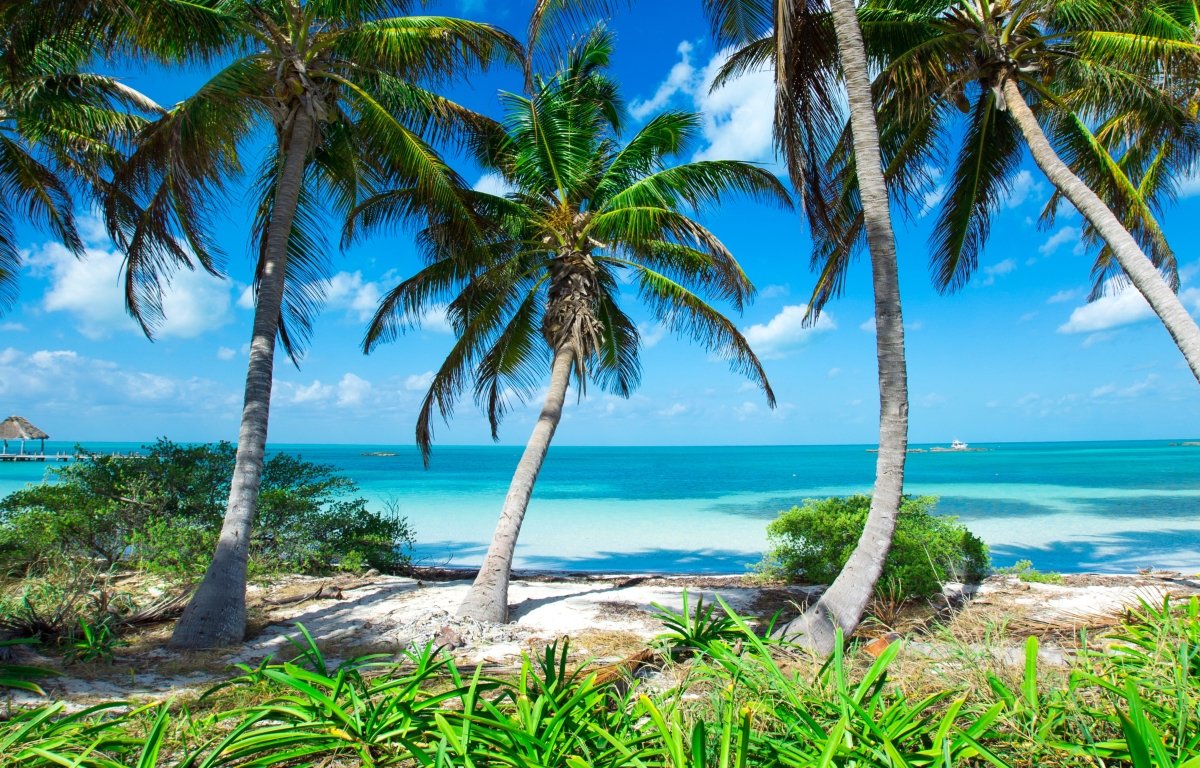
pixel 812 542
pixel 162 513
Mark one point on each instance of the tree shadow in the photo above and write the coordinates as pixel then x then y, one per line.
pixel 1122 552
pixel 659 560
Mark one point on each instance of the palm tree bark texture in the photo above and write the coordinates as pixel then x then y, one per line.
pixel 216 614
pixel 843 604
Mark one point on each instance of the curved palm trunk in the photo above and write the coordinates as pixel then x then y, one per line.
pixel 216 614
pixel 844 602
pixel 1141 271
pixel 488 598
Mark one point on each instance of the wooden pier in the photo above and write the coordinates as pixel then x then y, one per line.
pixel 37 457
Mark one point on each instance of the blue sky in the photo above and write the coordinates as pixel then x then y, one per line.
pixel 1017 355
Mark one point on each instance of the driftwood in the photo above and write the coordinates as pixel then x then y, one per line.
pixel 164 610
pixel 620 674
pixel 323 592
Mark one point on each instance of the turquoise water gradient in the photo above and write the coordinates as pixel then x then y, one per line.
pixel 1067 506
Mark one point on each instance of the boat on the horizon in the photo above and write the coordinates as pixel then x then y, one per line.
pixel 958 445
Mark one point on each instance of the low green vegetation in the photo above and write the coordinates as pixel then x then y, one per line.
pixel 813 541
pixel 1024 570
pixel 1129 698
pixel 162 512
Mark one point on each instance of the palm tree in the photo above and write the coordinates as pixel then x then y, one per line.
pixel 542 286
pixel 60 128
pixel 337 86
pixel 1074 63
pixel 809 50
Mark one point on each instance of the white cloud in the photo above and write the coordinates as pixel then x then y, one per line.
pixel 246 298
pixel 1119 306
pixel 1024 186
pixel 493 184
pixel 651 333
pixel 1189 185
pixel 352 390
pixel 435 320
pixel 998 270
pixel 681 79
pixel 1059 238
pixel 774 291
pixel 11 327
pixel 785 331
pixel 314 392
pixel 738 117
pixel 226 353
pixel 1069 294
pixel 675 409
pixel 348 291
pixel 931 199
pixel 90 289
pixel 419 381
pixel 1129 391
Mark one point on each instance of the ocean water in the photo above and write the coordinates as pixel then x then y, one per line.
pixel 1106 507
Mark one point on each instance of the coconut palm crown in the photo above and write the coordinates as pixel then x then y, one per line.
pixel 587 217
pixel 1041 75
pixel 62 129
pixel 339 91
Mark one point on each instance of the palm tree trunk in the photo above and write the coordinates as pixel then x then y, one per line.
pixel 488 598
pixel 844 602
pixel 216 615
pixel 1141 271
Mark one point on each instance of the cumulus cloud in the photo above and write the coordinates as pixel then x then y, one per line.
pixel 998 270
pixel 352 390
pixel 1061 237
pixel 675 409
pixel 1120 305
pixel 68 382
pixel 348 291
pixel 786 331
pixel 1189 185
pixel 419 381
pixel 651 334
pixel 89 289
pixel 1024 187
pixel 1069 294
pixel 681 79
pixel 737 117
pixel 493 184
pixel 226 353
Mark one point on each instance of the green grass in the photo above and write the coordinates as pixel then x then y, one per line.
pixel 1128 698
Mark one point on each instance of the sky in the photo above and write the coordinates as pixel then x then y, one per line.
pixel 1017 355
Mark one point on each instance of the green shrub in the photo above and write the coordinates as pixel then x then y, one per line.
pixel 812 543
pixel 163 511
pixel 1024 570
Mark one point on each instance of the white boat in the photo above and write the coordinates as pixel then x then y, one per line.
pixel 958 445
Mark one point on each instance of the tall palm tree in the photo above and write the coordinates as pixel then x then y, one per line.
pixel 542 287
pixel 61 129
pixel 1078 65
pixel 339 87
pixel 810 50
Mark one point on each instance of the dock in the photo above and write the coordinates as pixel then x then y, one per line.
pixel 37 457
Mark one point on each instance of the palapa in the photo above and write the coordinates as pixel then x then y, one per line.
pixel 19 428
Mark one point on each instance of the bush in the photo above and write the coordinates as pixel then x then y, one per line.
pixel 163 511
pixel 812 543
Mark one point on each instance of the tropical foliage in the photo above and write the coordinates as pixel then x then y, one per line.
pixel 161 512
pixel 1075 83
pixel 62 129
pixel 812 543
pixel 742 700
pixel 541 283
pixel 341 92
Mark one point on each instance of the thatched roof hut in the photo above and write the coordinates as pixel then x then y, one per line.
pixel 19 428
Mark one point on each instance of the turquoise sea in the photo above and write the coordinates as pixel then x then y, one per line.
pixel 1104 506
